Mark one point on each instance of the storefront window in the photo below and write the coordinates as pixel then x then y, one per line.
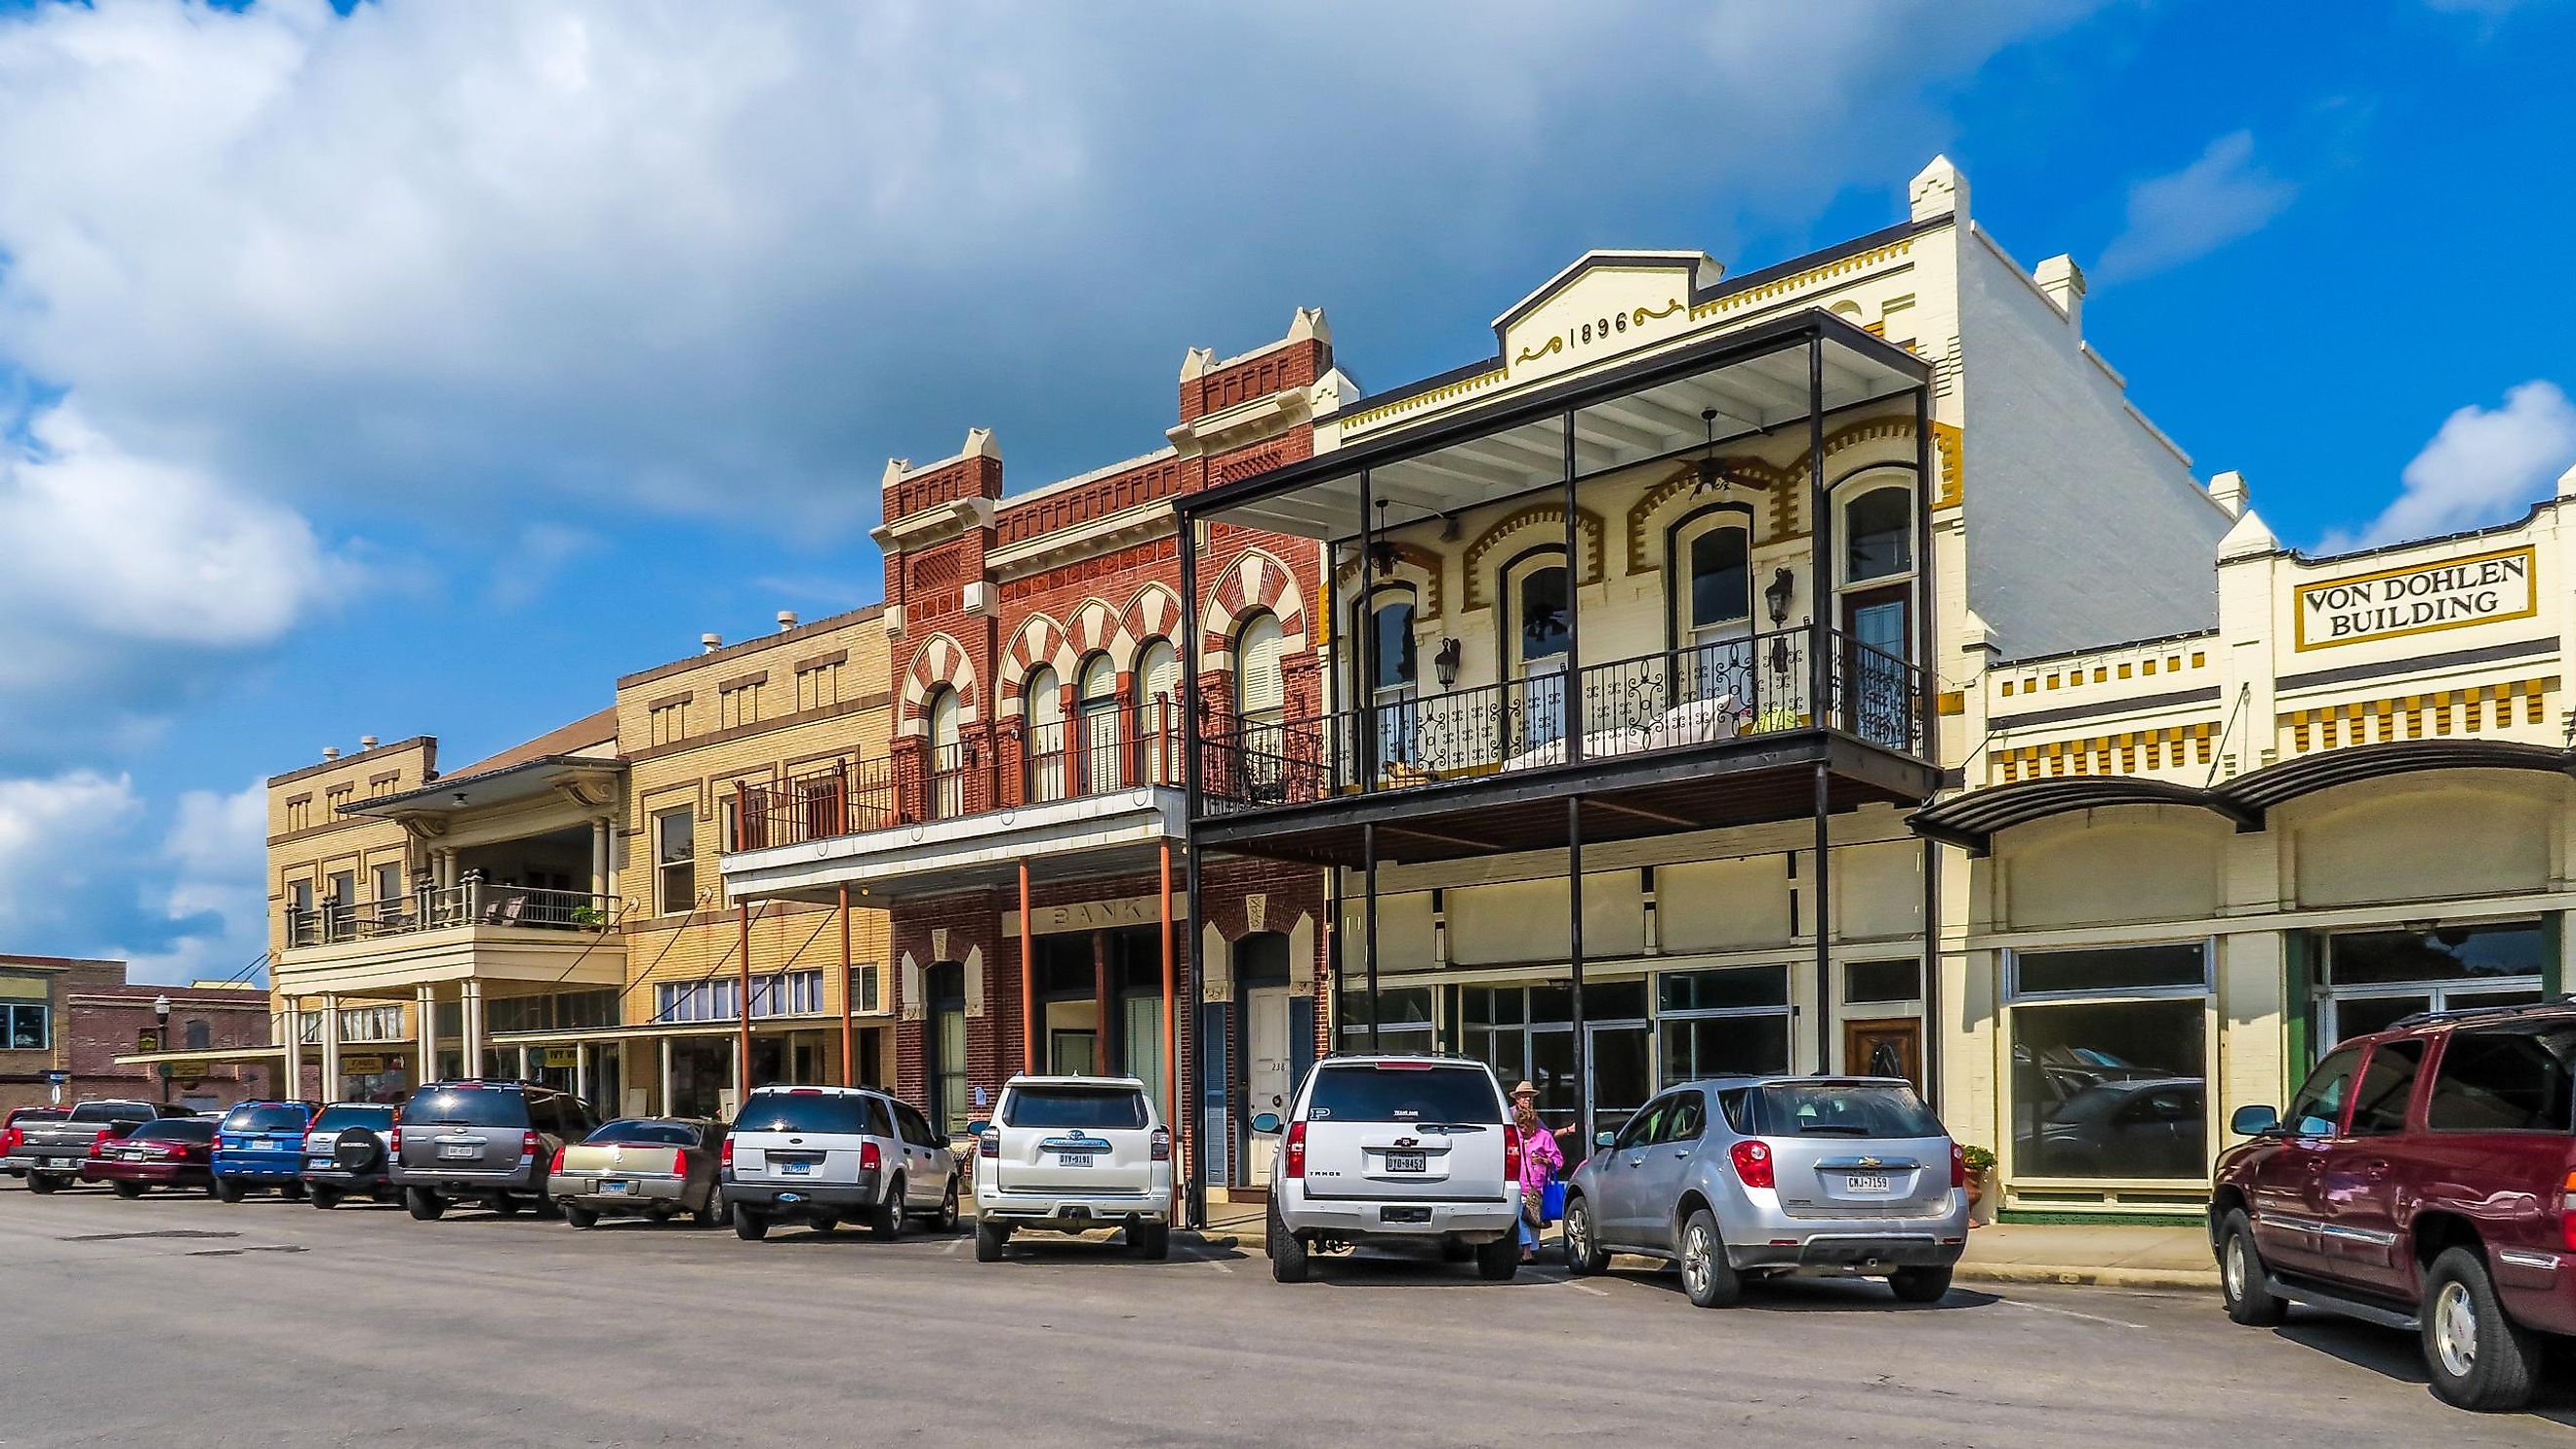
pixel 2374 979
pixel 1404 1020
pixel 1715 1023
pixel 2115 1086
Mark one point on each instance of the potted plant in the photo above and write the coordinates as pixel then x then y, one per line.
pixel 1980 1163
pixel 589 918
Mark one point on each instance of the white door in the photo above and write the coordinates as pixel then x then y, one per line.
pixel 1265 1045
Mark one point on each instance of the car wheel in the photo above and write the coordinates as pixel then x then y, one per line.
pixel 1583 1251
pixel 885 1220
pixel 2478 1358
pixel 2242 1284
pixel 1499 1260
pixel 713 1214
pixel 1151 1241
pixel 291 1191
pixel 41 1183
pixel 1920 1285
pixel 749 1226
pixel 132 1190
pixel 325 1198
pixel 992 1242
pixel 228 1190
pixel 946 1220
pixel 1287 1254
pixel 1707 1277
pixel 426 1206
pixel 580 1217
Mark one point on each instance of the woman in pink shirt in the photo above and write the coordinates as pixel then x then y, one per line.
pixel 1541 1161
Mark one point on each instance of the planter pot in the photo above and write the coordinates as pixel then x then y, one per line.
pixel 1981 1198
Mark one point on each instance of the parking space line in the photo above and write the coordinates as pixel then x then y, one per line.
pixel 2070 1313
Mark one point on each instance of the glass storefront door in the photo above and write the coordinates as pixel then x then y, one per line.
pixel 1622 1060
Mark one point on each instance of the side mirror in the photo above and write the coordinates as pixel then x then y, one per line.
pixel 2252 1121
pixel 977 1129
pixel 1265 1123
pixel 1604 1139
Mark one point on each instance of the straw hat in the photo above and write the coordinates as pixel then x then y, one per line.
pixel 1524 1090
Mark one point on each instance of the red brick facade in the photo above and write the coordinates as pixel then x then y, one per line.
pixel 95 1017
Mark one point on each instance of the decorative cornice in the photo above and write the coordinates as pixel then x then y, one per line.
pixel 1783 286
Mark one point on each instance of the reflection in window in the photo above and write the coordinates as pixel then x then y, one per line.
pixel 2375 979
pixel 2112 1089
pixel 1543 630
pixel 1392 690
pixel 1878 534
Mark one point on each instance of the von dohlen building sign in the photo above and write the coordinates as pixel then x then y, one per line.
pixel 2452 594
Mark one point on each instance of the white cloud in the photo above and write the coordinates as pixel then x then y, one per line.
pixel 215 899
pixel 2485 466
pixel 2187 214
pixel 55 839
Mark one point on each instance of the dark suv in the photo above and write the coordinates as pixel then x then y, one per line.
pixel 483 1141
pixel 2424 1178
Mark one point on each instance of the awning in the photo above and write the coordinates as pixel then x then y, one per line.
pixel 1971 821
pixel 592 777
pixel 210 1057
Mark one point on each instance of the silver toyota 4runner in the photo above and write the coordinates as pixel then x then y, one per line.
pixel 1072 1154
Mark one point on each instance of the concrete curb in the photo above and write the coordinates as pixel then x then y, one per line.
pixel 2184 1280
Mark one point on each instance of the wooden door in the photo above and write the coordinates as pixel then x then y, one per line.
pixel 1884 1048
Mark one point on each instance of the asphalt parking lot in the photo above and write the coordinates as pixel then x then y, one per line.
pixel 180 1319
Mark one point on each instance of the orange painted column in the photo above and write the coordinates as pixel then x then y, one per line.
pixel 1028 984
pixel 742 1008
pixel 849 1034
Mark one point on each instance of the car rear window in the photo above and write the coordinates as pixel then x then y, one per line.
pixel 31 1118
pixel 2505 1081
pixel 274 1117
pixel 174 1129
pixel 1403 1093
pixel 645 1132
pixel 467 1107
pixel 339 1119
pixel 802 1112
pixel 1100 1109
pixel 1827 1110
pixel 114 1112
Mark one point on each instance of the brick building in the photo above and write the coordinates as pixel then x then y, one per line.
pixel 79 1017
pixel 1024 831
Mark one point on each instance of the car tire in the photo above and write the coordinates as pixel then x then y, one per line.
pixel 1920 1285
pixel 945 1220
pixel 1151 1241
pixel 992 1242
pixel 749 1226
pixel 2243 1286
pixel 41 1183
pixel 130 1190
pixel 1707 1277
pixel 228 1190
pixel 1584 1254
pixel 713 1214
pixel 885 1220
pixel 291 1191
pixel 580 1217
pixel 425 1206
pixel 2477 1356
pixel 1500 1260
pixel 325 1198
pixel 1287 1253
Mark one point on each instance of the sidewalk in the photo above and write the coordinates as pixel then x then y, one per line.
pixel 2105 1255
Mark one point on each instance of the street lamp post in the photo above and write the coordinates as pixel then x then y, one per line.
pixel 161 1036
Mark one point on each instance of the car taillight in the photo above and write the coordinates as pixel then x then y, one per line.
pixel 1752 1163
pixel 869 1158
pixel 724 1155
pixel 1958 1165
pixel 9 1140
pixel 393 1139
pixel 1511 1154
pixel 1162 1144
pixel 529 1146
pixel 988 1143
pixel 2567 1212
pixel 557 1164
pixel 99 1143
pixel 1296 1150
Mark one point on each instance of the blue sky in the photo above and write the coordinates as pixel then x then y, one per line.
pixel 419 370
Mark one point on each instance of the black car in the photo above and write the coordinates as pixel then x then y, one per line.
pixel 483 1141
pixel 347 1152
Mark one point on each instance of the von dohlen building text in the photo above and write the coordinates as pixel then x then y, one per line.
pixel 1900 697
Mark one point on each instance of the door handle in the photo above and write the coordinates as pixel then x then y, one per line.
pixel 1681 1152
pixel 1638 1161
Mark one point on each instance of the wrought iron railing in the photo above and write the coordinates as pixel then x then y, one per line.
pixel 471 902
pixel 1698 694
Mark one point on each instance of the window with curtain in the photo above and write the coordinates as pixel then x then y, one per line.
pixel 1261 697
pixel 1158 709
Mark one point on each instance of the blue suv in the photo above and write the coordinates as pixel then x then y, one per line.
pixel 261 1145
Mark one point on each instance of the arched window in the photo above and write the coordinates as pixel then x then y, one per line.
pixel 1158 710
pixel 1712 565
pixel 1096 708
pixel 1388 614
pixel 1878 535
pixel 1261 698
pixel 1538 633
pixel 1042 705
pixel 1876 611
pixel 947 762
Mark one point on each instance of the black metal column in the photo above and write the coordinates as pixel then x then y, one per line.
pixel 1820 542
pixel 1193 1113
pixel 1574 965
pixel 1927 611
pixel 1364 689
pixel 1368 919
pixel 1824 922
pixel 1573 684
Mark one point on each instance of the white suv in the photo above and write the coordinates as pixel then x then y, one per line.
pixel 1067 1154
pixel 826 1155
pixel 1396 1149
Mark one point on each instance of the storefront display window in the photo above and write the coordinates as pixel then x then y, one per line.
pixel 1404 1024
pixel 2114 1084
pixel 2374 979
pixel 1717 1022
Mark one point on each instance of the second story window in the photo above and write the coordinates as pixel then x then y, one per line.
pixel 1042 708
pixel 1158 709
pixel 1539 634
pixel 196 1036
pixel 1712 557
pixel 26 1026
pixel 947 756
pixel 675 862
pixel 1390 620
pixel 1878 535
pixel 388 882
pixel 1260 681
pixel 1098 710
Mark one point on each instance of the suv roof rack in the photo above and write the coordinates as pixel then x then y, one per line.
pixel 2476 1013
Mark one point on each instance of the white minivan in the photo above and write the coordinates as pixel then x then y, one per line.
pixel 1069 1155
pixel 1414 1149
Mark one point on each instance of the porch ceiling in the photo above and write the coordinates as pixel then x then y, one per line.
pixel 1753 382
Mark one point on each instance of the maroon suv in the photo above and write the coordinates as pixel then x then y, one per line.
pixel 2423 1178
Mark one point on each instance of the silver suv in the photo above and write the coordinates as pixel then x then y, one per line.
pixel 482 1141
pixel 1068 1154
pixel 828 1155
pixel 1396 1149
pixel 1761 1176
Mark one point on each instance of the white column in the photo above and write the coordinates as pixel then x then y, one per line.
pixel 602 884
pixel 330 1048
pixel 472 994
pixel 292 1032
pixel 581 1074
pixel 424 1047
pixel 665 1044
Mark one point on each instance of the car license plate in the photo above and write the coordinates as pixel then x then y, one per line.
pixel 1408 1162
pixel 1865 1182
pixel 464 1151
pixel 1073 1159
pixel 614 1186
pixel 797 1169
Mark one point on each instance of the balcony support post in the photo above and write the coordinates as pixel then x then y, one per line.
pixel 668 1110
pixel 849 1030
pixel 1368 919
pixel 1189 1119
pixel 1171 1005
pixel 471 994
pixel 1823 923
pixel 1574 960
pixel 1364 689
pixel 1927 659
pixel 742 1004
pixel 1028 981
pixel 330 1049
pixel 424 1035
pixel 1573 703
pixel 293 1037
pixel 1820 543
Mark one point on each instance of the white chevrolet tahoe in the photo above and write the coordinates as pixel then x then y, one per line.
pixel 1396 1149
pixel 1072 1154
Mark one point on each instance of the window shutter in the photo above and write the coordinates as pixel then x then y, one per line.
pixel 1260 654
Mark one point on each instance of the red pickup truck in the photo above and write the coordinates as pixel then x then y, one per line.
pixel 2424 1178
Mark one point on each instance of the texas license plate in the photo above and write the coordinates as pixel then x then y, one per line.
pixel 797 1169
pixel 317 1162
pixel 465 1151
pixel 1407 1162
pixel 1073 1159
pixel 615 1186
pixel 1865 1182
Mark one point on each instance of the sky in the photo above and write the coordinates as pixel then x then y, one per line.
pixel 417 368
